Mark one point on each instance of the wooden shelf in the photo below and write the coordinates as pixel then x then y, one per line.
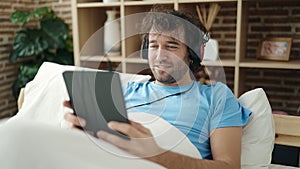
pixel 287 130
pixel 136 60
pixel 224 63
pixel 84 25
pixel 112 59
pixel 98 4
pixel 254 63
pixel 140 3
pixel 101 58
pixel 204 1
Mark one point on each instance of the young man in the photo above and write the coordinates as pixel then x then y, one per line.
pixel 209 115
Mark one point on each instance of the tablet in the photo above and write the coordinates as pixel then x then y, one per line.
pixel 97 97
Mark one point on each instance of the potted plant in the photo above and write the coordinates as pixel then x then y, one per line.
pixel 48 41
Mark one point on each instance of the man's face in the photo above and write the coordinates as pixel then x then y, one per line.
pixel 168 57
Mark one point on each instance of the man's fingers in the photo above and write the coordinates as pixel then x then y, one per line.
pixel 113 139
pixel 67 103
pixel 133 131
pixel 125 128
pixel 140 127
pixel 76 127
pixel 75 120
pixel 89 132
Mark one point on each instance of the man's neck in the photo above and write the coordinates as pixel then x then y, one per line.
pixel 181 82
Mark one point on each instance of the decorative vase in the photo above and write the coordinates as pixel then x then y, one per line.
pixel 211 50
pixel 112 34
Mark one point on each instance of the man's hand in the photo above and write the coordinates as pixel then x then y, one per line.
pixel 74 121
pixel 225 146
pixel 141 141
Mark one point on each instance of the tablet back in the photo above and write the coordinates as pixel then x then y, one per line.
pixel 97 97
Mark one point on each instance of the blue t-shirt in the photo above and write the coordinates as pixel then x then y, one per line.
pixel 195 109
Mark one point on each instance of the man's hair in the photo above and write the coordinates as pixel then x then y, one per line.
pixel 166 20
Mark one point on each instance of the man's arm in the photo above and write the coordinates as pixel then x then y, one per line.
pixel 225 146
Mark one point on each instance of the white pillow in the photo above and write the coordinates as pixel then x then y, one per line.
pixel 259 133
pixel 44 95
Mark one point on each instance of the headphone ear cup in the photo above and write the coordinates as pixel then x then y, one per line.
pixel 194 55
pixel 144 48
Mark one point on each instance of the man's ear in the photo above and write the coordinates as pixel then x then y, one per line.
pixel 202 51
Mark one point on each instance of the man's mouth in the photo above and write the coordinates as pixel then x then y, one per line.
pixel 162 67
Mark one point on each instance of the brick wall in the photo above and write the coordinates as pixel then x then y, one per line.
pixel 280 19
pixel 8 71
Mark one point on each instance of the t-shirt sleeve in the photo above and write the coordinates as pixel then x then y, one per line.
pixel 225 109
pixel 125 88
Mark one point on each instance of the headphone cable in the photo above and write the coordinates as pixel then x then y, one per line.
pixel 174 94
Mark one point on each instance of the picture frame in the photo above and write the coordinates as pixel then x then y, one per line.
pixel 275 48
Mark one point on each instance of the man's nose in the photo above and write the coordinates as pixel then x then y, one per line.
pixel 161 54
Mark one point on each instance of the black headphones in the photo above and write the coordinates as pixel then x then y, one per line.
pixel 193 54
pixel 144 47
pixel 192 29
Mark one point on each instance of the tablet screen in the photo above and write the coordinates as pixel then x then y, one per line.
pixel 97 97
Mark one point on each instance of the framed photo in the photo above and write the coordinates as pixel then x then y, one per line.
pixel 274 49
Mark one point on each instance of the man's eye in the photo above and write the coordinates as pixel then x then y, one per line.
pixel 172 47
pixel 153 46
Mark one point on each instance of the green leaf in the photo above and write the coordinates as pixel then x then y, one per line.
pixel 57 30
pixel 29 70
pixel 69 43
pixel 29 42
pixel 13 56
pixel 20 17
pixel 62 56
pixel 49 15
pixel 41 11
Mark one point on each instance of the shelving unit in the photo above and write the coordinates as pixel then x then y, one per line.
pixel 89 16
